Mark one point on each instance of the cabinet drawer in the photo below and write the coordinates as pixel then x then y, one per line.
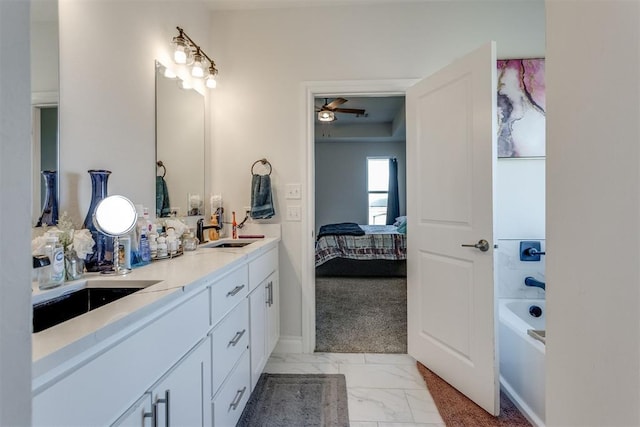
pixel 108 384
pixel 229 340
pixel 262 267
pixel 227 293
pixel 234 395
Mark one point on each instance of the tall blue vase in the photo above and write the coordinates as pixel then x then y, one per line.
pixel 101 258
pixel 50 208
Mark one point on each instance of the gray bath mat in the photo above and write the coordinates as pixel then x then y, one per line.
pixel 285 400
pixel 361 314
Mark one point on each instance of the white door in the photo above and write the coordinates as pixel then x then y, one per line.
pixel 451 120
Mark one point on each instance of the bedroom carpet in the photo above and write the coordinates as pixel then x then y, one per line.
pixel 457 410
pixel 361 315
pixel 285 400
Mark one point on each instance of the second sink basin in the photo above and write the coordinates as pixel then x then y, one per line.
pixel 229 244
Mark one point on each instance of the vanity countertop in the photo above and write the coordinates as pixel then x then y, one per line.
pixel 60 346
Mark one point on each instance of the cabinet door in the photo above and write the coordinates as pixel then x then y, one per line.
pixel 273 312
pixel 181 397
pixel 258 329
pixel 139 414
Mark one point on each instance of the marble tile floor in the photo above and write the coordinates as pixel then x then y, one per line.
pixel 384 390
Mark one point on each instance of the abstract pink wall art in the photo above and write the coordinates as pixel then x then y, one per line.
pixel 521 108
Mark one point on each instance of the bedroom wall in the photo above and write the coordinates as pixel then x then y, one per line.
pixel 341 179
pixel 266 55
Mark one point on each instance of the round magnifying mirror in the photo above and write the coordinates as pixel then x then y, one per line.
pixel 115 216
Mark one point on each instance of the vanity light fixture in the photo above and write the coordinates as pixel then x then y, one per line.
pixel 326 116
pixel 187 52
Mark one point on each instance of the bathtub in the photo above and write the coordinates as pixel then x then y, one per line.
pixel 522 368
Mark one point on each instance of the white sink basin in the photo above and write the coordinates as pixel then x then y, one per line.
pixel 229 243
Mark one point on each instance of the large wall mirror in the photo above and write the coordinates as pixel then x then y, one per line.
pixel 44 98
pixel 180 156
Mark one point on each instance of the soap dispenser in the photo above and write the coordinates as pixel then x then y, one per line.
pixel 54 274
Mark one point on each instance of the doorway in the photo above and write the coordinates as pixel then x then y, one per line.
pixel 313 90
pixel 360 180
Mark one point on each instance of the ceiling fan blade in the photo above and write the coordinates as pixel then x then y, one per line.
pixel 349 110
pixel 336 102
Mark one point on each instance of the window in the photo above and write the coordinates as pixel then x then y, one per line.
pixel 378 188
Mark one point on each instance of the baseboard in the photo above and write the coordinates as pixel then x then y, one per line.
pixel 291 344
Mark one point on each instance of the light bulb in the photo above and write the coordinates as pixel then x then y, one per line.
pixel 210 81
pixel 181 51
pixel 197 69
pixel 169 74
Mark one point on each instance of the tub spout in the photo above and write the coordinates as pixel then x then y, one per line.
pixel 530 281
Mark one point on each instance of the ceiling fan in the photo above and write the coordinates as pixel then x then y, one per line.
pixel 326 113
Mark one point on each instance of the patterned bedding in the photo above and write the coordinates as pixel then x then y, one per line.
pixel 378 242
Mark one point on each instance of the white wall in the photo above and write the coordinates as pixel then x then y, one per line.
pixel 15 217
pixel 593 227
pixel 107 92
pixel 341 179
pixel 44 56
pixel 520 198
pixel 264 56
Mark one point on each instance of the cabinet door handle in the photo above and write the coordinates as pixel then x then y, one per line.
pixel 236 338
pixel 238 398
pixel 235 290
pixel 151 415
pixel 166 409
pixel 270 294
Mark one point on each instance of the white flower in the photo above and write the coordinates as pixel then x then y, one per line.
pixel 83 243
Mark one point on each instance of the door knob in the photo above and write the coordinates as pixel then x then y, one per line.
pixel 483 245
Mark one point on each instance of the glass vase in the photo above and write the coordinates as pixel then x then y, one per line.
pixel 74 266
pixel 102 256
pixel 50 207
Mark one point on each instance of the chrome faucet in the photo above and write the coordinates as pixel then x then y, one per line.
pixel 530 281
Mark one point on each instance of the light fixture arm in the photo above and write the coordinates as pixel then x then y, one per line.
pixel 197 48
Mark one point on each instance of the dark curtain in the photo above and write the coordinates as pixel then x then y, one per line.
pixel 393 200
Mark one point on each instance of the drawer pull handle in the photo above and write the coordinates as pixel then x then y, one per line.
pixel 238 398
pixel 237 337
pixel 235 290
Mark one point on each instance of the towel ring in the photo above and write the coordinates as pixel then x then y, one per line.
pixel 264 162
pixel 161 165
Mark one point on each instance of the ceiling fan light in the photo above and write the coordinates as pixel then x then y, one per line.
pixel 326 116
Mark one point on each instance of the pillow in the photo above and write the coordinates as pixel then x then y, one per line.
pixel 402 228
pixel 400 220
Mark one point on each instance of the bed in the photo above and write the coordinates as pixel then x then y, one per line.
pixel 349 249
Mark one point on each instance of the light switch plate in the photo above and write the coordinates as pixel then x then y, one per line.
pixel 293 191
pixel 293 213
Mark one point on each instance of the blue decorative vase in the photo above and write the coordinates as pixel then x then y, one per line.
pixel 102 256
pixel 50 208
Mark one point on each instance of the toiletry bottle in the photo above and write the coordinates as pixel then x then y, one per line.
pixel 145 251
pixel 53 250
pixel 234 225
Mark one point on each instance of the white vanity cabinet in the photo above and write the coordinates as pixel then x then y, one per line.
pixel 98 386
pixel 190 360
pixel 178 398
pixel 264 310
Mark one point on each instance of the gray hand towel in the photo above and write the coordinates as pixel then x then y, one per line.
pixel 261 198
